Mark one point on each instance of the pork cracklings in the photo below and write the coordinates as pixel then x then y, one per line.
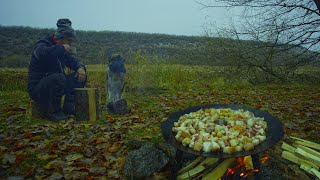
pixel 224 130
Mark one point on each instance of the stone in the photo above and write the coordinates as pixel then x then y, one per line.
pixel 148 159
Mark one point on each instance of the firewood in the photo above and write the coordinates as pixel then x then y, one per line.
pixel 309 156
pixel 287 147
pixel 209 161
pixel 306 149
pixel 205 163
pixel 311 170
pixel 293 158
pixel 191 165
pixel 315 172
pixel 307 169
pixel 306 143
pixel 193 172
pixel 219 171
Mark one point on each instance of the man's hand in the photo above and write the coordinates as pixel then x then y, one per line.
pixel 67 48
pixel 81 74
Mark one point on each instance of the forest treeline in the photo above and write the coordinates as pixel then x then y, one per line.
pixel 93 47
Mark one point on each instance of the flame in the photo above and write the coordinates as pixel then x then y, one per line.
pixel 244 166
pixel 230 171
pixel 264 159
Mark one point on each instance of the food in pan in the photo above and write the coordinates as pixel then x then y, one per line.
pixel 224 130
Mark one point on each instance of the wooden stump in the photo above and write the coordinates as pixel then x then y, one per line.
pixel 40 110
pixel 87 104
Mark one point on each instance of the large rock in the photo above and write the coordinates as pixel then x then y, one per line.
pixel 148 159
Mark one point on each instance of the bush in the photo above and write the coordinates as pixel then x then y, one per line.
pixel 15 61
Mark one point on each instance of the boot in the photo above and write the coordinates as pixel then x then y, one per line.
pixel 68 105
pixel 121 107
pixel 57 114
pixel 110 108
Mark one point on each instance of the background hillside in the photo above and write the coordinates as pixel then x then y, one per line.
pixel 93 47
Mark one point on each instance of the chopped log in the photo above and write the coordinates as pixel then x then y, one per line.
pixel 219 171
pixel 310 145
pixel 287 147
pixel 293 158
pixel 202 166
pixel 41 111
pixel 303 151
pixel 309 156
pixel 191 165
pixel 315 172
pixel 87 104
pixel 307 169
pixel 309 150
pixel 209 161
pixel 306 143
pixel 311 170
pixel 193 172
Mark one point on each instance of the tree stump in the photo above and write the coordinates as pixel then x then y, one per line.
pixel 41 111
pixel 87 104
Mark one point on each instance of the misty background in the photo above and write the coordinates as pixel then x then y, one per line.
pixel 178 17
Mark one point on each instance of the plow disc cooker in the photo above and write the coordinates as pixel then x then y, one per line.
pixel 273 135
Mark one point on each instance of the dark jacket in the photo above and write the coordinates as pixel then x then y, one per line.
pixel 49 58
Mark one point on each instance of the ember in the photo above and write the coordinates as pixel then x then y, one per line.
pixel 243 167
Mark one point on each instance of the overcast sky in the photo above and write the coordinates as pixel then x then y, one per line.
pixel 179 17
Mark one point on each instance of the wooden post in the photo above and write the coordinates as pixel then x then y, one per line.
pixel 87 104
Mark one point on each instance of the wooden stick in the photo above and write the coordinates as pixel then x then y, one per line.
pixel 315 172
pixel 209 161
pixel 293 158
pixel 307 169
pixel 219 171
pixel 309 156
pixel 191 173
pixel 306 143
pixel 306 149
pixel 287 147
pixel 206 163
pixel 191 165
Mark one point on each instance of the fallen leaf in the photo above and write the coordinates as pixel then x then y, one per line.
pixel 70 168
pixel 8 159
pixel 86 161
pixel 113 174
pixel 119 163
pixel 55 164
pixel 74 157
pixel 56 175
pixel 75 175
pixel 46 156
pixel 20 157
pixel 98 170
pixel 2 148
pixel 15 178
pixel 114 148
pixel 39 177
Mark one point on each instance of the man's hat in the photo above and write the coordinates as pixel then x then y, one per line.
pixel 65 29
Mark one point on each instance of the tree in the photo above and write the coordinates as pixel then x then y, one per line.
pixel 286 30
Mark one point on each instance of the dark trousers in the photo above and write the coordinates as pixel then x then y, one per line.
pixel 50 89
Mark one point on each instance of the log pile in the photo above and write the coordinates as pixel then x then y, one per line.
pixel 208 168
pixel 305 154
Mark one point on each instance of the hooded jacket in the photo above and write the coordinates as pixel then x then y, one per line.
pixel 49 58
